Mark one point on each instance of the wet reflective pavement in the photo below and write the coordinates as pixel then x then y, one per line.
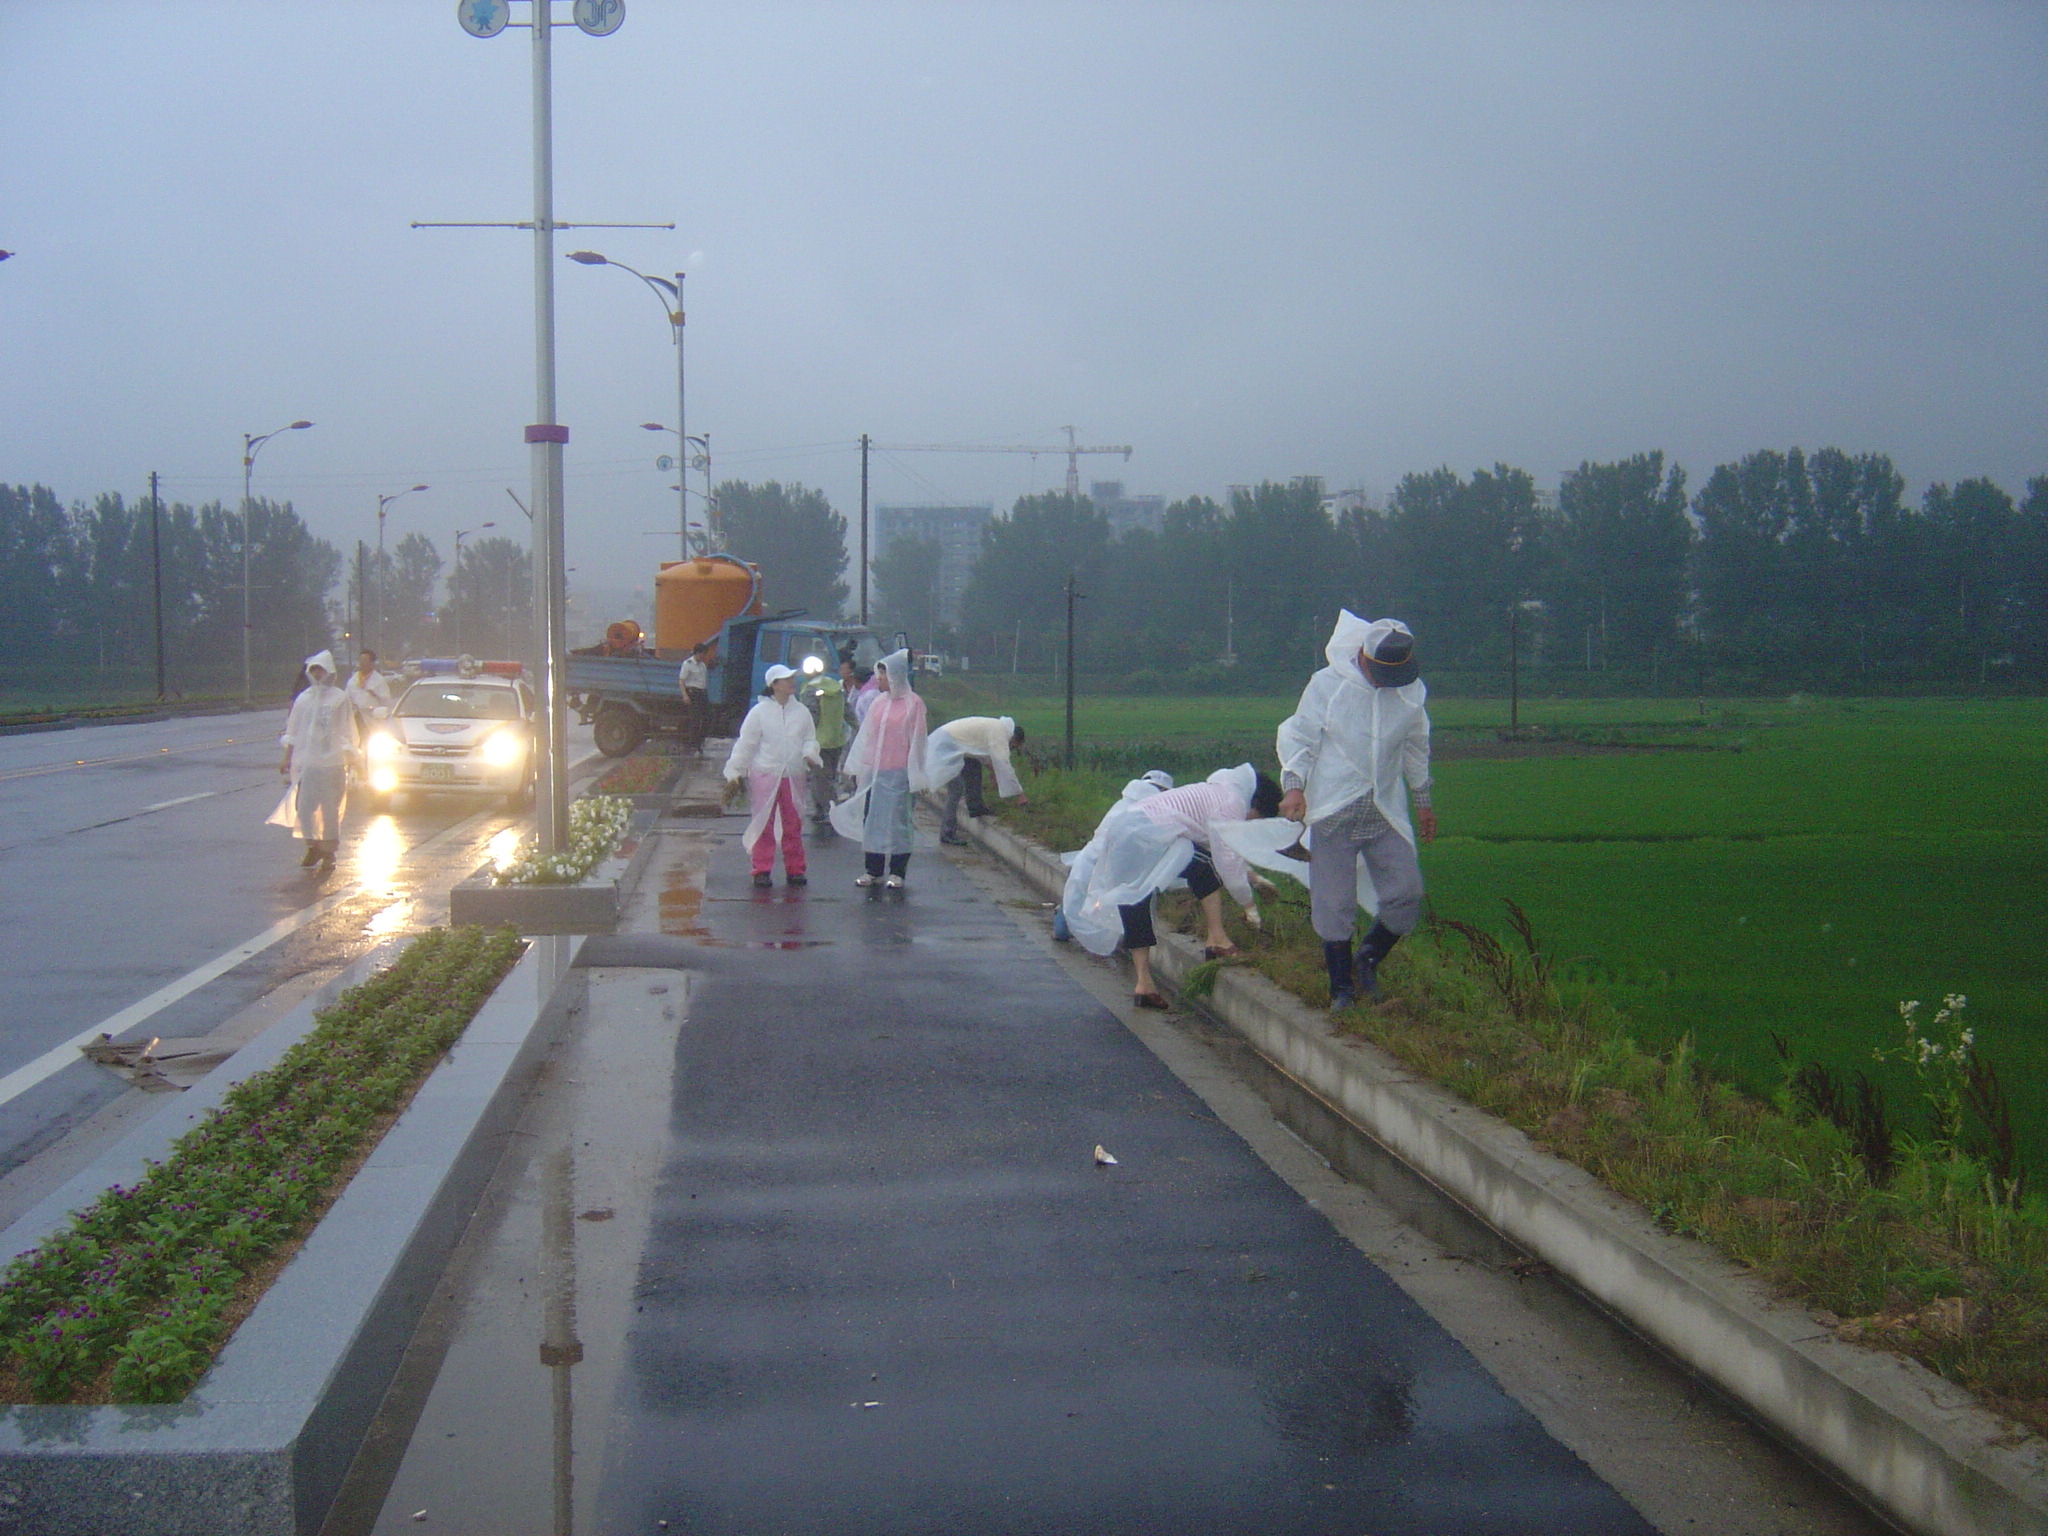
pixel 885 1287
pixel 133 856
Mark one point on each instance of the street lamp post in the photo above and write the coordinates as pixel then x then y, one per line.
pixel 685 462
pixel 251 446
pixel 455 575
pixel 382 503
pixel 665 291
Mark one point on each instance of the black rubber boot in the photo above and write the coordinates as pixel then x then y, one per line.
pixel 1373 949
pixel 1337 960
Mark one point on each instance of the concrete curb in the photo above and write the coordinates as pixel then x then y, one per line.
pixel 591 905
pixel 261 1445
pixel 1919 1449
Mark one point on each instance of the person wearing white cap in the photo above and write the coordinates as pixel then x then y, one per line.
pixel 1081 866
pixel 320 740
pixel 958 749
pixel 1150 841
pixel 888 766
pixel 1354 756
pixel 776 749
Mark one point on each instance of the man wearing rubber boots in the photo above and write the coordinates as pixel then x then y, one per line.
pixel 1354 756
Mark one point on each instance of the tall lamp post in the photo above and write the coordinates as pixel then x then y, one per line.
pixel 685 462
pixel 671 296
pixel 382 503
pixel 251 446
pixel 455 575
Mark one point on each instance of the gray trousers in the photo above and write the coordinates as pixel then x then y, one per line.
pixel 318 806
pixel 965 786
pixel 822 781
pixel 1333 878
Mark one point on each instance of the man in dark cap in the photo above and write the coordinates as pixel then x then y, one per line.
pixel 1354 756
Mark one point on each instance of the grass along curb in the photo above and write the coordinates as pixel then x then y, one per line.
pixel 1904 1237
pixel 1923 1450
pixel 133 1298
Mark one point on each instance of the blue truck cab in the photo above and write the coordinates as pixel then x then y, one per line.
pixel 626 699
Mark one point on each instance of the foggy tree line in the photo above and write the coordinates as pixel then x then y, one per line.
pixel 1782 571
pixel 76 590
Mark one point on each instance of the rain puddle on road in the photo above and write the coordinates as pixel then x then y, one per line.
pixel 679 898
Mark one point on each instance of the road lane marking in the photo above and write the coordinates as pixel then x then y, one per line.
pixel 60 1056
pixel 133 757
pixel 204 794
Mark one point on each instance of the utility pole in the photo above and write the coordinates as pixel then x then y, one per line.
pixel 864 528
pixel 1071 595
pixel 362 597
pixel 1514 670
pixel 156 567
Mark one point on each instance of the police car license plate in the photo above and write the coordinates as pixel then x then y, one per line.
pixel 437 771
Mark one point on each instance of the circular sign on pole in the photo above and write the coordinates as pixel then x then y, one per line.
pixel 664 462
pixel 483 18
pixel 600 18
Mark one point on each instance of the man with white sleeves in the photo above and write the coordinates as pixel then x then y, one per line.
pixel 1353 756
pixel 954 755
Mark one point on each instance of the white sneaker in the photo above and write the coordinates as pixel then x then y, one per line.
pixel 864 880
pixel 893 883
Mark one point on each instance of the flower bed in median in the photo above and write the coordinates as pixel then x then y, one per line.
pixel 644 773
pixel 596 824
pixel 131 1301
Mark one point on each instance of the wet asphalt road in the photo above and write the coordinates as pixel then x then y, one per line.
pixel 887 1289
pixel 132 854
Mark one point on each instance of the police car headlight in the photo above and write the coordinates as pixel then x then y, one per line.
pixel 383 781
pixel 502 749
pixel 382 747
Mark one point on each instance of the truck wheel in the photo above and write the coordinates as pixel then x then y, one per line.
pixel 619 729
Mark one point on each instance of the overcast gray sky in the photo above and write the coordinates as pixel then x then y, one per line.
pixel 1252 241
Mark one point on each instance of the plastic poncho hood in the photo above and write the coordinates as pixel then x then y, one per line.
pixel 324 660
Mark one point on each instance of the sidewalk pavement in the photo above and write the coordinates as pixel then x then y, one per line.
pixel 811 1237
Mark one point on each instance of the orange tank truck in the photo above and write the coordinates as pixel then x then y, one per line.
pixel 694 598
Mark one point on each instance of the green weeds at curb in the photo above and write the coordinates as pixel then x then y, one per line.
pixel 1926 1243
pixel 137 1290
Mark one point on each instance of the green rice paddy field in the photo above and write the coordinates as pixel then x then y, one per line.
pixel 1791 866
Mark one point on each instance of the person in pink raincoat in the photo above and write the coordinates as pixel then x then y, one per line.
pixel 888 767
pixel 776 749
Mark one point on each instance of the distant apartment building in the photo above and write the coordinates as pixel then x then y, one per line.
pixel 958 532
pixel 1127 512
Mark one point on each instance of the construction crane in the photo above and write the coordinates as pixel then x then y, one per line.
pixel 1073 451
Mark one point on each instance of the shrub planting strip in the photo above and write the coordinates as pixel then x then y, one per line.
pixel 260 1446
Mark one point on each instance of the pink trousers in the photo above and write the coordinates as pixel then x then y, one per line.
pixel 792 835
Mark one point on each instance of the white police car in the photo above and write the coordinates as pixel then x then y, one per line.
pixel 463 727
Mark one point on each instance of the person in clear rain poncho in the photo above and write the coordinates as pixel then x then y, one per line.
pixel 887 764
pixel 1354 756
pixel 776 748
pixel 1148 842
pixel 1081 866
pixel 320 741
